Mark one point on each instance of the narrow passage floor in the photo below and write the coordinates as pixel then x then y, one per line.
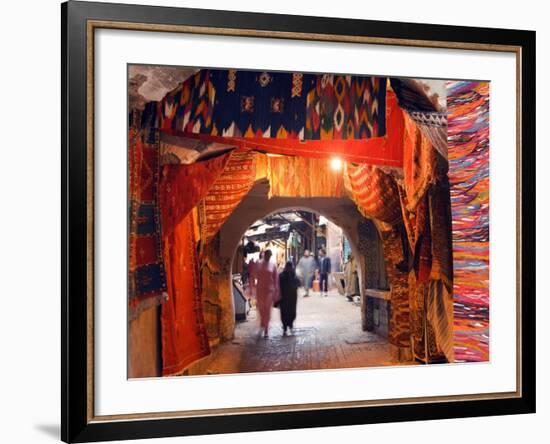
pixel 327 335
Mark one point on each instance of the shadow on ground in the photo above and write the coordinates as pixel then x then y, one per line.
pixel 51 430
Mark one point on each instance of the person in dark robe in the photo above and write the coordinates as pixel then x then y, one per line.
pixel 288 285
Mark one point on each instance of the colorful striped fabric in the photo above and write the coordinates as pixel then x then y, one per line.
pixel 468 139
pixel 227 192
pixel 146 278
pixel 346 107
pixel 374 192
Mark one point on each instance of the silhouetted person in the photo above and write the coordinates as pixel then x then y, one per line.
pixel 324 270
pixel 288 284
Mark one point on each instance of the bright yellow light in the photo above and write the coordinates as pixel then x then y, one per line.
pixel 336 163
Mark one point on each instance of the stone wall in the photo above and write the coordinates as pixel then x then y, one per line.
pixel 144 359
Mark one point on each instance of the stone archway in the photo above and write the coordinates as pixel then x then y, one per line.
pixel 234 242
pixel 340 211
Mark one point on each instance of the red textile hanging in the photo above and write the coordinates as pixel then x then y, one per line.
pixel 227 192
pixel 383 151
pixel 184 338
pixel 417 227
pixel 423 250
pixel 182 187
pixel 134 162
pixel 419 171
pixel 377 151
pixel 146 287
pixel 375 193
pixel 419 161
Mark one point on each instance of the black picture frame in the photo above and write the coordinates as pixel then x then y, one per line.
pixel 77 424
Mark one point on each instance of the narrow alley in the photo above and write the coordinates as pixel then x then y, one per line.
pixel 327 335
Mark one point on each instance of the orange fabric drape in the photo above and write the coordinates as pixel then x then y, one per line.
pixel 383 151
pixel 420 172
pixel 419 161
pixel 227 192
pixel 146 287
pixel 134 162
pixel 303 177
pixel 182 187
pixel 184 338
pixel 375 193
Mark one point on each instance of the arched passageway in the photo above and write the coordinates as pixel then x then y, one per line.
pixel 331 207
pixel 348 323
pixel 341 211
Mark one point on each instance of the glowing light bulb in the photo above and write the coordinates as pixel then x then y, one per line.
pixel 336 163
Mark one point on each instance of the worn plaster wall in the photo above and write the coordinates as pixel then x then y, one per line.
pixel 144 358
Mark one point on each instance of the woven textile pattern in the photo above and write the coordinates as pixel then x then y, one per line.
pixel 279 105
pixel 183 325
pixel 400 323
pixel 468 137
pixel 226 192
pixel 374 192
pixel 182 187
pixel 146 279
pixel 346 107
pixel 184 338
pixel 189 107
pixel 419 160
pixel 259 104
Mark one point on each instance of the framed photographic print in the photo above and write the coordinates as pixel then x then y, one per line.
pixel 275 221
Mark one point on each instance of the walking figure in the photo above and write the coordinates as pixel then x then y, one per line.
pixel 267 289
pixel 324 270
pixel 306 268
pixel 288 283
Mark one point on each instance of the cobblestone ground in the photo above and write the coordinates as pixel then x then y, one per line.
pixel 327 335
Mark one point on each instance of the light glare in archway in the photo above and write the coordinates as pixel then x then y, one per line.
pixel 336 163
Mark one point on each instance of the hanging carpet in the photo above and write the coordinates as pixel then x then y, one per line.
pixel 182 187
pixel 374 192
pixel 419 161
pixel 429 113
pixel 146 281
pixel 227 192
pixel 184 338
pixel 285 113
pixel 468 107
pixel 234 103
